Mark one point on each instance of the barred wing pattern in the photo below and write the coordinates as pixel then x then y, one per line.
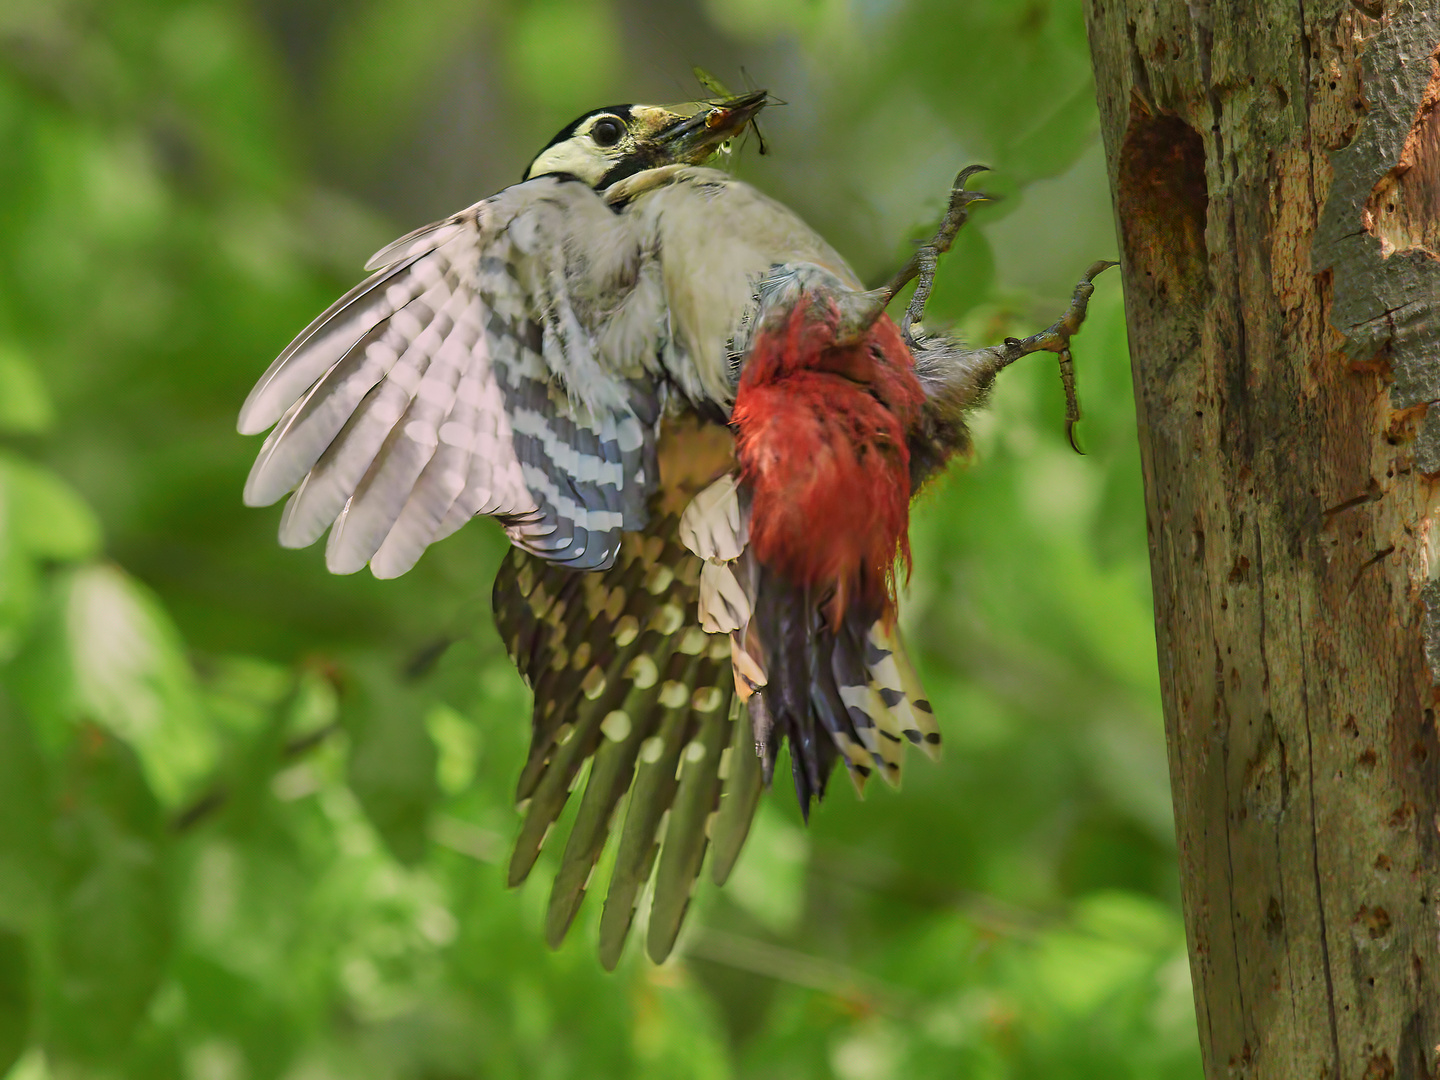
pixel 461 379
pixel 625 678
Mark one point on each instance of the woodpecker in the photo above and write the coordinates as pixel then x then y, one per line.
pixel 702 435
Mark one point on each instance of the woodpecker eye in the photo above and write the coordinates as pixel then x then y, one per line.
pixel 607 131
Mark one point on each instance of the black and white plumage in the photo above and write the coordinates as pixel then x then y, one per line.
pixel 464 378
pixel 564 357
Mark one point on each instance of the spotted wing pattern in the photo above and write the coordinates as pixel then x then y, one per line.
pixel 625 680
pixel 463 378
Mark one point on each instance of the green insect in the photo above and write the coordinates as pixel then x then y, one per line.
pixel 719 90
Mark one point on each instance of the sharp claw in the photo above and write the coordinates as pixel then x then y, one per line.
pixel 1072 400
pixel 921 267
pixel 967 172
pixel 1056 339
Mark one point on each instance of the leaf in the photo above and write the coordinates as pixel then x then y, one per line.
pixel 457 743
pixel 768 19
pixel 241 692
pixel 41 518
pixel 114 918
pixel 48 518
pixel 25 407
pixel 769 878
pixel 1051 146
pixel 1019 60
pixel 132 676
pixel 106 652
pixel 392 757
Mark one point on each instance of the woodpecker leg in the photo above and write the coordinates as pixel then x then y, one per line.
pixel 1056 339
pixel 982 365
pixel 868 306
pixel 923 263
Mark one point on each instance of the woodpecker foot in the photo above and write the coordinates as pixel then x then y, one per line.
pixel 922 264
pixel 1056 339
pixel 866 307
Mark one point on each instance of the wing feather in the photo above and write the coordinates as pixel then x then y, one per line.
pixel 391 478
pixel 324 341
pixel 380 355
pixel 420 241
pixel 461 379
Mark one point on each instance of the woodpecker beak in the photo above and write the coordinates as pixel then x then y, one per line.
pixel 695 138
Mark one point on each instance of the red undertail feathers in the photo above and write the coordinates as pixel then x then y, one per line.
pixel 821 437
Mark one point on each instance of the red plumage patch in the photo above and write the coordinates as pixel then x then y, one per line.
pixel 821 436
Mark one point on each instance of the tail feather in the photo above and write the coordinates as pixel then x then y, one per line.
pixel 864 709
pixel 785 615
pixel 892 673
pixel 740 768
pixel 625 679
pixel 651 796
pixel 829 708
pixel 612 766
pixel 854 684
pixel 697 798
pixel 845 690
pixel 762 726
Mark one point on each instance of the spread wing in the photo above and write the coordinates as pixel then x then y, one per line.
pixel 466 377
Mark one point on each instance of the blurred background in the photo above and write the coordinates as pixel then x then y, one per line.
pixel 248 830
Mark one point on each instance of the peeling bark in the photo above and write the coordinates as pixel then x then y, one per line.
pixel 1276 172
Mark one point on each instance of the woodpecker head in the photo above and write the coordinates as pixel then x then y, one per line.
pixel 612 143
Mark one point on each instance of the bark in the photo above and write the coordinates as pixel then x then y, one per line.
pixel 1276 172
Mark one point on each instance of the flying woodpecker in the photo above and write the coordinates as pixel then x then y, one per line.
pixel 702 435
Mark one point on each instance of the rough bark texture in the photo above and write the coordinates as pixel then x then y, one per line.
pixel 1276 171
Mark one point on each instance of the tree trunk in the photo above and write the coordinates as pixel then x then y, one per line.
pixel 1276 172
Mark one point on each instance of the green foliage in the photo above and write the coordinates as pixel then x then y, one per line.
pixel 112 916
pixel 392 760
pixel 254 818
pixel 24 406
pixel 386 57
pixel 14 997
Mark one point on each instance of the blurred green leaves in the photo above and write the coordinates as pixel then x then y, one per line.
pixel 764 19
pixel 106 653
pixel 387 54
pixel 392 756
pixel 50 522
pixel 253 818
pixel 113 922
pixel 15 1006
pixel 25 408
pixel 41 520
pixel 580 34
pixel 27 867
